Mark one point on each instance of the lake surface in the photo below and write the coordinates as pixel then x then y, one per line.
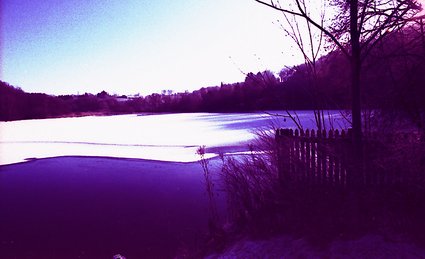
pixel 77 200
pixel 167 137
pixel 73 207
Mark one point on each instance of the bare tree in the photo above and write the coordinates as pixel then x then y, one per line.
pixel 356 28
pixel 310 41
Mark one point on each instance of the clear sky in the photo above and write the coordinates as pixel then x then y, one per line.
pixel 137 46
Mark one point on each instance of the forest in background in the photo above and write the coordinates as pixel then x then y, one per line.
pixel 393 79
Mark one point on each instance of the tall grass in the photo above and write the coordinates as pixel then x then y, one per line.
pixel 252 185
pixel 260 205
pixel 216 237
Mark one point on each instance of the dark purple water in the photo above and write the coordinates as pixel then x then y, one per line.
pixel 73 207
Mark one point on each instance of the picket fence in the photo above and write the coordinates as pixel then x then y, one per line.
pixel 326 157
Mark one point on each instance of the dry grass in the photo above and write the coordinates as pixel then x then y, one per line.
pixel 260 205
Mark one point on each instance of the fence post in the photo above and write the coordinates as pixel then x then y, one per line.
pixel 313 159
pixel 319 156
pixel 323 156
pixel 291 141
pixel 302 154
pixel 337 168
pixel 295 159
pixel 345 160
pixel 307 155
pixel 331 173
pixel 283 154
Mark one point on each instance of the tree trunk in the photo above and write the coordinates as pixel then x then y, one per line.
pixel 357 170
pixel 355 77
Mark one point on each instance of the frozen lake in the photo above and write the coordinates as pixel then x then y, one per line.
pixel 165 137
pixel 97 207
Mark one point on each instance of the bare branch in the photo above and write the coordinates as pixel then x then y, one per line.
pixel 326 32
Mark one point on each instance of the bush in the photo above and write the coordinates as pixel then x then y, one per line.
pixel 321 213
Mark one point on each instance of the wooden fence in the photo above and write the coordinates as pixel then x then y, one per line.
pixel 313 156
pixel 325 157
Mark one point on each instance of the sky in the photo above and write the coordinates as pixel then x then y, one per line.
pixel 137 46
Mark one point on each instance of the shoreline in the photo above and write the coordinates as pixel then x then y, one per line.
pixel 101 114
pixel 25 152
pixel 181 154
pixel 128 159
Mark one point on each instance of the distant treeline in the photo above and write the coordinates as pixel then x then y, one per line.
pixel 261 91
pixel 393 78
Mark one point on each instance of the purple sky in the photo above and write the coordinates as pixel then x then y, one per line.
pixel 134 46
pixel 138 46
